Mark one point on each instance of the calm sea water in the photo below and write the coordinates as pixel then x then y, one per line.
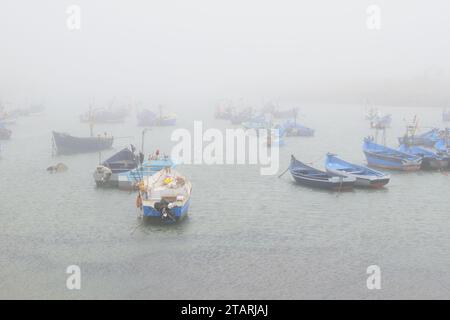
pixel 247 236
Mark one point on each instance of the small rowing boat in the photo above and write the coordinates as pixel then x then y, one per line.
pixel 381 156
pixel 365 177
pixel 311 177
pixel 107 173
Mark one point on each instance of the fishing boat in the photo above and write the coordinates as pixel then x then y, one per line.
pixel 241 117
pixel 165 196
pixel 107 173
pixel 311 177
pixel 381 156
pixel 294 129
pixel 128 180
pixel 5 133
pixel 427 139
pixel 430 160
pixel 223 113
pixel 283 114
pixel 105 115
pixel 381 122
pixel 446 115
pixel 147 118
pixel 365 177
pixel 66 144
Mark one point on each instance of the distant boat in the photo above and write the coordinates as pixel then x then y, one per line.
pixel 241 117
pixel 107 173
pixel 5 133
pixel 427 139
pixel 311 177
pixel 381 156
pixel 67 144
pixel 147 118
pixel 294 129
pixel 430 160
pixel 381 122
pixel 283 114
pixel 165 196
pixel 446 115
pixel 106 115
pixel 365 177
pixel 224 113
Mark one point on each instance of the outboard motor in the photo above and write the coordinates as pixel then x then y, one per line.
pixel 164 207
pixel 102 175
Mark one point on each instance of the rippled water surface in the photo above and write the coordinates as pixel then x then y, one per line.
pixel 247 235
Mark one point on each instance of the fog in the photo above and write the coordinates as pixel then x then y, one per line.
pixel 200 51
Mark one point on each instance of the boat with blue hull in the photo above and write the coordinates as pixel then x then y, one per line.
pixel 107 173
pixel 381 156
pixel 314 178
pixel 365 177
pixel 294 129
pixel 430 160
pixel 427 139
pixel 129 180
pixel 164 197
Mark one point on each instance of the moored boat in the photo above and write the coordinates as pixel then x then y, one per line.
pixel 427 139
pixel 128 180
pixel 446 115
pixel 294 129
pixel 67 144
pixel 165 196
pixel 147 118
pixel 5 133
pixel 365 177
pixel 381 156
pixel 430 160
pixel 311 177
pixel 107 173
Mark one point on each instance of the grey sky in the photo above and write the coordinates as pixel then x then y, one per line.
pixel 199 50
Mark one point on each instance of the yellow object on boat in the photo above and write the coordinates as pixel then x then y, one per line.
pixel 168 180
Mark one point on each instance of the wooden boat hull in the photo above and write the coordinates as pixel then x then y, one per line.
pixel 390 163
pixel 311 177
pixel 434 164
pixel 364 182
pixel 334 186
pixel 66 144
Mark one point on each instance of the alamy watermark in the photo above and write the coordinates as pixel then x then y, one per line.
pixel 73 281
pixel 73 21
pixel 373 21
pixel 374 279
pixel 236 147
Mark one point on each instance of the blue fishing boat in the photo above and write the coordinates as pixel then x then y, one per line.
pixel 381 156
pixel 129 179
pixel 294 129
pixel 107 173
pixel 164 197
pixel 365 177
pixel 446 115
pixel 430 160
pixel 311 177
pixel 427 139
